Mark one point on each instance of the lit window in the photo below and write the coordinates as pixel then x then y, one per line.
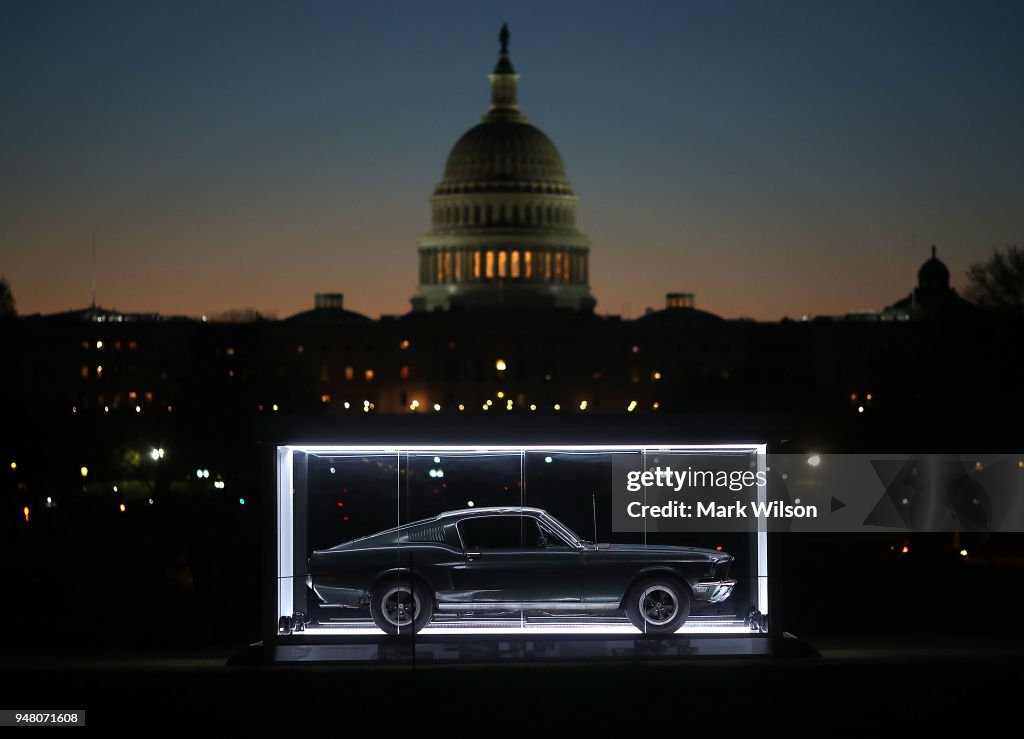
pixel 368 375
pixel 528 264
pixel 490 265
pixel 325 398
pixel 349 372
pixel 132 395
pixel 514 265
pixel 231 351
pixel 502 264
pixel 404 372
pixel 149 396
pixel 476 265
pixel 85 371
pixel 404 344
pixel 133 345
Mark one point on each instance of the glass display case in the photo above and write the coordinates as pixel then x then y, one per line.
pixel 455 551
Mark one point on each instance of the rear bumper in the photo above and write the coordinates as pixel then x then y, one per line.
pixel 714 592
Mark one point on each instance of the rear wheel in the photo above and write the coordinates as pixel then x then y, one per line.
pixel 401 606
pixel 658 605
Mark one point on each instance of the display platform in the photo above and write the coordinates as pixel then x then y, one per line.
pixel 486 646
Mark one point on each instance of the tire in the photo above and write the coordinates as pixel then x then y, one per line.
pixel 658 605
pixel 401 605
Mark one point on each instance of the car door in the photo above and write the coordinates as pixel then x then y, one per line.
pixel 506 562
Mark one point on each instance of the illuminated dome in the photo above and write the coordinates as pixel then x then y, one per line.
pixel 504 217
pixel 512 154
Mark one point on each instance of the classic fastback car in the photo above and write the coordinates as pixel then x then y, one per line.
pixel 512 560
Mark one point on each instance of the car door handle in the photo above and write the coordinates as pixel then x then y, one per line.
pixel 472 555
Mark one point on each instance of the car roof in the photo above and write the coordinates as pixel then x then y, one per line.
pixel 490 511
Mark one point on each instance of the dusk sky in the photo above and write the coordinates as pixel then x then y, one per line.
pixel 774 158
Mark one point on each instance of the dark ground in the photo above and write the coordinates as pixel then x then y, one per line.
pixel 856 687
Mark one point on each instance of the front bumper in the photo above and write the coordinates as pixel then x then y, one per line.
pixel 714 592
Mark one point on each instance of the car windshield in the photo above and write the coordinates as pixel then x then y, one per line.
pixel 560 528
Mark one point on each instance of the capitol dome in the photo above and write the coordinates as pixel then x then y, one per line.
pixel 505 152
pixel 504 216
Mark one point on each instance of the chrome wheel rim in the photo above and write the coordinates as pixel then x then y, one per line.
pixel 400 606
pixel 658 605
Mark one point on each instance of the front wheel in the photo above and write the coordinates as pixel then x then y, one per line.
pixel 401 606
pixel 658 606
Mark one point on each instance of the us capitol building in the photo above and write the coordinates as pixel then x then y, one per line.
pixel 504 216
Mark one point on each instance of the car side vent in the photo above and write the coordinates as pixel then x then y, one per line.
pixel 433 534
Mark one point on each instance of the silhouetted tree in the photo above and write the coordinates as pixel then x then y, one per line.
pixel 998 283
pixel 6 300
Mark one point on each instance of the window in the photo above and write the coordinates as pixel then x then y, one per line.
pixel 476 265
pixel 528 264
pixel 349 372
pixel 490 265
pixel 514 271
pixel 492 532
pixel 502 264
pixel 368 375
pixel 85 371
pixel 404 372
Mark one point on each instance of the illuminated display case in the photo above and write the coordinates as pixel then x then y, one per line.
pixel 440 551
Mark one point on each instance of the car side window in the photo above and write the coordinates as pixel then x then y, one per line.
pixel 492 532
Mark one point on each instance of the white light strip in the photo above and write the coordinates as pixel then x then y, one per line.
pixel 733 627
pixel 762 534
pixel 285 543
pixel 394 448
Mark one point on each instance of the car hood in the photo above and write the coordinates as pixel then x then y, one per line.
pixel 666 550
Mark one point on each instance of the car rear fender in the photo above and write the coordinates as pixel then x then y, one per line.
pixel 397 572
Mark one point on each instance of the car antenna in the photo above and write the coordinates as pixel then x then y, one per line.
pixel 593 500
